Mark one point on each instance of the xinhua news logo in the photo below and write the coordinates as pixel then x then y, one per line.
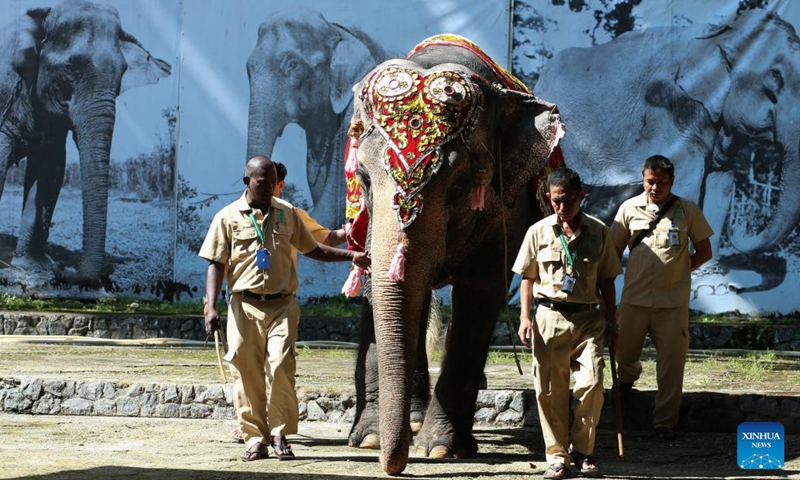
pixel 760 445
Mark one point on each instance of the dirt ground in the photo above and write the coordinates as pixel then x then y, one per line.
pixel 71 448
pixel 98 448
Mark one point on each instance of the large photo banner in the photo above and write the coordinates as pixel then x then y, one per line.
pixel 88 124
pixel 275 78
pixel 712 86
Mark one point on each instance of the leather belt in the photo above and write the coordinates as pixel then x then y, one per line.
pixel 565 306
pixel 263 297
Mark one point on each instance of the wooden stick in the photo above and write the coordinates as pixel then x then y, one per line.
pixel 219 357
pixel 616 395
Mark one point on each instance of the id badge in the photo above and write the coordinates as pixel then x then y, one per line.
pixel 569 284
pixel 262 259
pixel 674 238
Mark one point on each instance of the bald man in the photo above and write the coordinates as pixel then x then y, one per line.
pixel 250 243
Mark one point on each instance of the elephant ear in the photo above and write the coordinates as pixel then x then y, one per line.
pixel 143 68
pixel 530 130
pixel 705 72
pixel 350 59
pixel 30 34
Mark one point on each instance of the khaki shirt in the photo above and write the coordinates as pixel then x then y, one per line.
pixel 543 259
pixel 317 231
pixel 232 240
pixel 658 275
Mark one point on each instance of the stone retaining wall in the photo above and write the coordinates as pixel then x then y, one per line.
pixel 131 326
pixel 701 412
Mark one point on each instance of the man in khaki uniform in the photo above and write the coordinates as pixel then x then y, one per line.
pixel 655 298
pixel 566 260
pixel 250 242
pixel 321 234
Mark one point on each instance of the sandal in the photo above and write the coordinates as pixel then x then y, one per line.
pixel 556 470
pixel 281 447
pixel 237 435
pixel 257 452
pixel 587 464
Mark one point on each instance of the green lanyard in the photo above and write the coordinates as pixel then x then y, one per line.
pixel 258 229
pixel 566 248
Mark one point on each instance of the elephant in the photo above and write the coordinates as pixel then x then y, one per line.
pixel 704 96
pixel 448 150
pixel 61 69
pixel 302 71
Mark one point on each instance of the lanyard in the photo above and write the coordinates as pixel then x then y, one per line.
pixel 566 248
pixel 258 229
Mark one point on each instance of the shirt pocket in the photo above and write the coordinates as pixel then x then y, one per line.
pixel 282 236
pixel 551 263
pixel 637 227
pixel 245 243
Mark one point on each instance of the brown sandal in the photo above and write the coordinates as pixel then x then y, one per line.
pixel 281 448
pixel 257 452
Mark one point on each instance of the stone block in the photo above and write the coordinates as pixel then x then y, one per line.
pixel 47 405
pixel 89 390
pixel 485 415
pixel 169 410
pixel 169 394
pixel 106 407
pixel 200 411
pixel 127 406
pixel 16 402
pixel 32 388
pixel 502 399
pixel 315 413
pixel 54 387
pixel 767 407
pixel 77 406
pixel 509 417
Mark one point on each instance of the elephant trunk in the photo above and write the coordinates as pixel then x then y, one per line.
pixel 399 306
pixel 93 127
pixel 266 123
pixel 787 211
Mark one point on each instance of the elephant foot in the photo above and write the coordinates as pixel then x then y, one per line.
pixel 365 433
pixel 446 447
pixel 416 421
pixel 370 441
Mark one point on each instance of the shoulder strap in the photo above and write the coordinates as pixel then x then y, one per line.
pixel 654 222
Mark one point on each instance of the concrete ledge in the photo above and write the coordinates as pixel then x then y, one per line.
pixel 701 412
pixel 129 326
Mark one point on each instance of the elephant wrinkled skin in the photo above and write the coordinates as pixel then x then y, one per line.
pixel 501 145
pixel 61 70
pixel 700 96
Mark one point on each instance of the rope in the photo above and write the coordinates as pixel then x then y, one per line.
pixel 505 256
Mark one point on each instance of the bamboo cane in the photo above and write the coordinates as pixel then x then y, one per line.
pixel 616 396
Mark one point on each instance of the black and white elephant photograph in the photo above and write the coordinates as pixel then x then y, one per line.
pixel 449 147
pixel 720 99
pixel 63 67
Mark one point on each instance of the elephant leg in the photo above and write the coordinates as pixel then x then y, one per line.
pixel 421 384
pixel 447 430
pixel 365 432
pixel 44 176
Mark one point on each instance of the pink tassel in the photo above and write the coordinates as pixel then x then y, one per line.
pixel 397 270
pixel 352 286
pixel 351 162
pixel 478 191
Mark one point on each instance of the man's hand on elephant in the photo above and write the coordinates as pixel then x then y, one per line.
pixel 363 260
pixel 526 331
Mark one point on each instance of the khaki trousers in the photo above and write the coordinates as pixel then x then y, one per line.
pixel 564 343
pixel 669 331
pixel 261 357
